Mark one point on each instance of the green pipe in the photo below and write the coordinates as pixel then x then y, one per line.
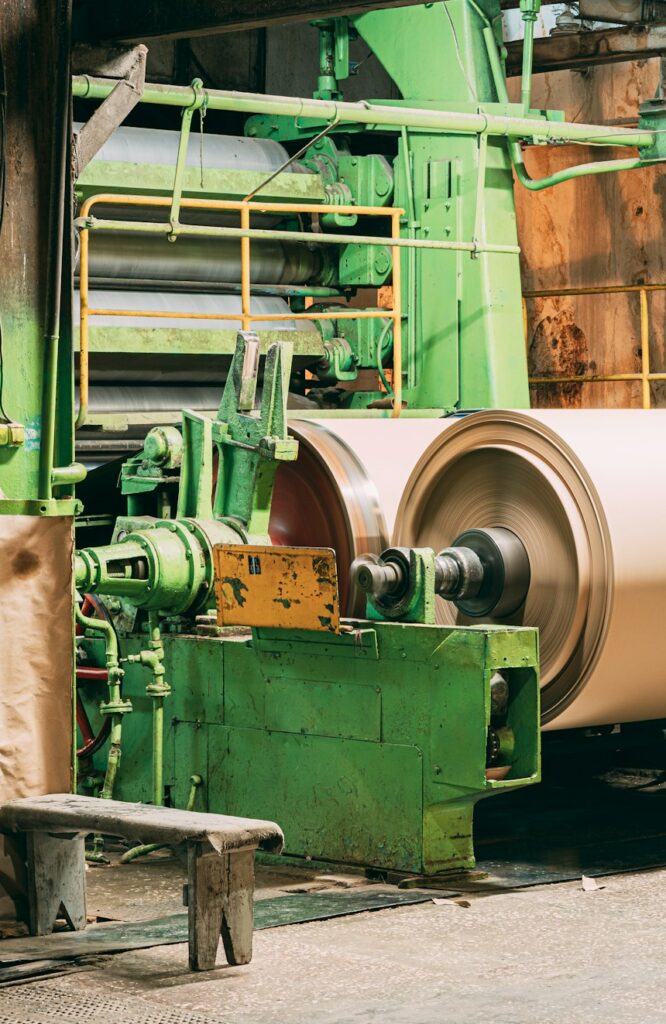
pixel 181 158
pixel 87 87
pixel 580 171
pixel 49 397
pixel 157 689
pixel 217 287
pixel 412 303
pixel 145 848
pixel 210 231
pixel 73 474
pixel 116 707
pixel 515 153
pixel 529 10
pixel 56 240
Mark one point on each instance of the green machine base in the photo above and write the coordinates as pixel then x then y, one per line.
pixel 369 747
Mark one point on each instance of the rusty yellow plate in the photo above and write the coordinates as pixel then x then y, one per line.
pixel 280 587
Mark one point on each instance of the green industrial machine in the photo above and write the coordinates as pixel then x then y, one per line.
pixel 370 740
pixel 365 254
pixel 215 671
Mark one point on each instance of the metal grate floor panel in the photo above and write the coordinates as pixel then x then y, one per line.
pixel 41 1003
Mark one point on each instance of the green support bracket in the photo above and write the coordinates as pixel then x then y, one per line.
pixel 252 441
pixel 198 103
pixel 334 66
pixel 195 493
pixel 418 602
pixel 155 467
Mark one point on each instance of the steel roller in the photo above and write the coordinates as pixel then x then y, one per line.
pixel 583 492
pixel 327 499
pixel 141 257
pixel 126 255
pixel 217 152
pixel 185 302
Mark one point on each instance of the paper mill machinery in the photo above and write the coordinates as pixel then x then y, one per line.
pixel 312 579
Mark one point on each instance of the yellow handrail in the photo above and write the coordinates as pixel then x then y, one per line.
pixel 645 376
pixel 244 207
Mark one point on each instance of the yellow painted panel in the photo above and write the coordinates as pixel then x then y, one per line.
pixel 281 587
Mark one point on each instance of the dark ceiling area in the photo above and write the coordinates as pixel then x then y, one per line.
pixel 132 21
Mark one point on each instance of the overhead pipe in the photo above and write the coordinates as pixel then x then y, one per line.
pixel 515 152
pixel 89 87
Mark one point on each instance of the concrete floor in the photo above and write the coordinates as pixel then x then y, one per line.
pixel 546 954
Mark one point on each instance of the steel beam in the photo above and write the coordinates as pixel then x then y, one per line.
pixel 129 22
pixel 608 46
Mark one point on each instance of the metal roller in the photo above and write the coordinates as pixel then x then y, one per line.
pixel 584 493
pixel 217 152
pixel 327 499
pixel 580 493
pixel 123 255
pixel 184 302
pixel 385 448
pixel 141 257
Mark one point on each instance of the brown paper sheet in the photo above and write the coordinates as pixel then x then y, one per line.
pixel 36 659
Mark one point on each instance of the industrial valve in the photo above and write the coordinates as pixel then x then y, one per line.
pixel 484 573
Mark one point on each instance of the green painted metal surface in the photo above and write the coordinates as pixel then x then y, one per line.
pixel 382 769
pixel 369 747
pixel 463 344
pixel 170 342
pixel 468 350
pixel 157 179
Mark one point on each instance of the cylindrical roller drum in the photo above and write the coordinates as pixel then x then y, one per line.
pixel 147 257
pixel 220 152
pixel 386 449
pixel 584 491
pixel 165 303
pixel 327 499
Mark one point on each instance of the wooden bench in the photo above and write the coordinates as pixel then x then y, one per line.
pixel 220 864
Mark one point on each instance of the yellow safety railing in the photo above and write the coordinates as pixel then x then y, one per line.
pixel 645 375
pixel 244 207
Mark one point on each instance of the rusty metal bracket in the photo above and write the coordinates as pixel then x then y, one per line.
pixel 115 108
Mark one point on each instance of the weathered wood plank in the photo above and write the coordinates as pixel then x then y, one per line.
pixel 81 814
pixel 206 893
pixel 584 49
pixel 56 881
pixel 220 892
pixel 237 921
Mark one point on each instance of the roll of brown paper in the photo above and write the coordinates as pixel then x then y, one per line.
pixel 584 491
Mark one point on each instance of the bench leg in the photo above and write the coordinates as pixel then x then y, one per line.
pixel 220 903
pixel 56 882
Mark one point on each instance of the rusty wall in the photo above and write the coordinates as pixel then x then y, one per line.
pixel 591 232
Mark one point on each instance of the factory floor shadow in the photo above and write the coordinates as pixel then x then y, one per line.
pixel 599 810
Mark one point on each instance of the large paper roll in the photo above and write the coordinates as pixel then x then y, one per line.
pixel 584 491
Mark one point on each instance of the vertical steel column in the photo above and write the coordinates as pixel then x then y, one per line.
pixel 469 351
pixel 34 37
